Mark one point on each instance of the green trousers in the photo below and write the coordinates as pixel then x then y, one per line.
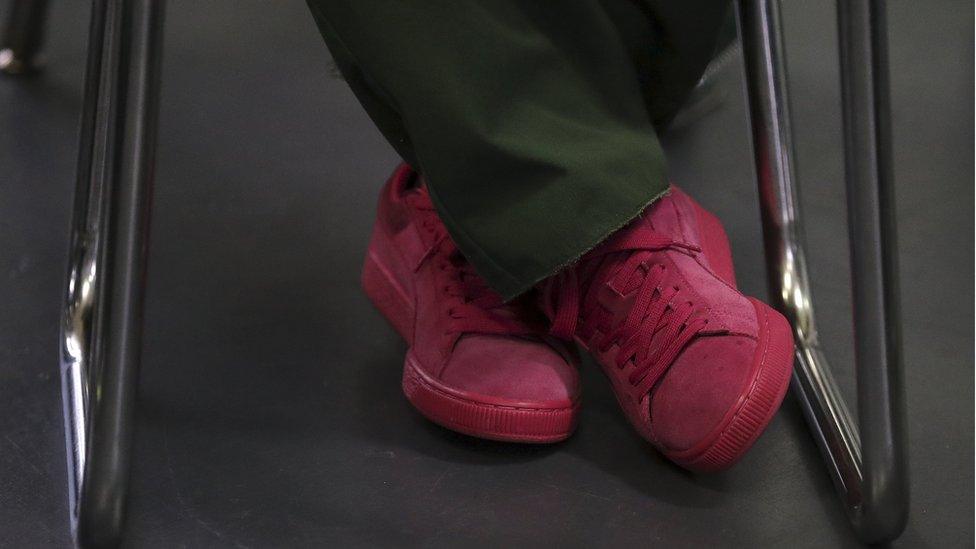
pixel 533 121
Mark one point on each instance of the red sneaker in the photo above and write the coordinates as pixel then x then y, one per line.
pixel 698 368
pixel 474 364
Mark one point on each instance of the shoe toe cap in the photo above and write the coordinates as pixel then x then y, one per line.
pixel 511 370
pixel 706 382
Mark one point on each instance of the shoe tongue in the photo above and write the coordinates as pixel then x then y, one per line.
pixel 474 287
pixel 633 272
pixel 421 197
pixel 663 218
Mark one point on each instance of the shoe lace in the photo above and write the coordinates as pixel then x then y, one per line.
pixel 658 308
pixel 472 305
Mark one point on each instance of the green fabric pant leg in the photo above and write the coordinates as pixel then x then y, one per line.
pixel 532 121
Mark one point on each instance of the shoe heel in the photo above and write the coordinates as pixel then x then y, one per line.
pixel 391 301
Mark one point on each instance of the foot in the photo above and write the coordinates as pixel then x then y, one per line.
pixel 474 364
pixel 698 368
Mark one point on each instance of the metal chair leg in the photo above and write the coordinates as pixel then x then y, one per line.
pixel 102 315
pixel 867 462
pixel 23 36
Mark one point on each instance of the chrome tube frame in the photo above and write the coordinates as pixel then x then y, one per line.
pixel 101 327
pixel 867 461
pixel 102 315
pixel 23 35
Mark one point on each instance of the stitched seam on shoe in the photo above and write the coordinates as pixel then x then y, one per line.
pixel 446 394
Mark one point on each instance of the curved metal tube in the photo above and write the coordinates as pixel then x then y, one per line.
pixel 870 478
pixel 102 315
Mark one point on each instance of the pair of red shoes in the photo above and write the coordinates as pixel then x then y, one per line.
pixel 698 368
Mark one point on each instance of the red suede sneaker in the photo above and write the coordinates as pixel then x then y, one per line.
pixel 698 368
pixel 474 364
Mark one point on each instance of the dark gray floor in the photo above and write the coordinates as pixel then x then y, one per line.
pixel 271 413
